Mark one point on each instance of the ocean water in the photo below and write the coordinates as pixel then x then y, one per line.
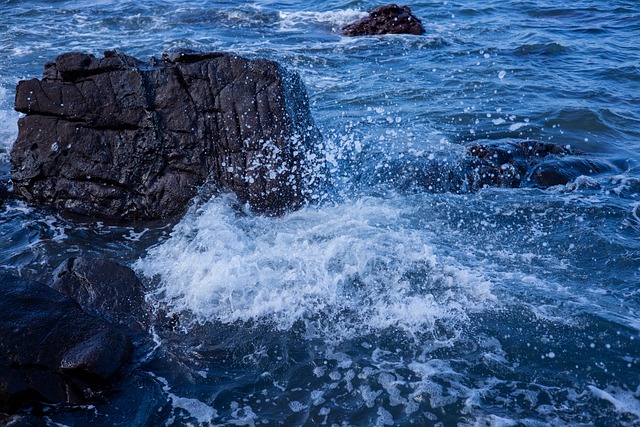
pixel 378 306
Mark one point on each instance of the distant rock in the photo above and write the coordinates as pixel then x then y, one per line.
pixel 4 193
pixel 50 350
pixel 532 164
pixel 119 138
pixel 23 421
pixel 506 164
pixel 104 289
pixel 388 19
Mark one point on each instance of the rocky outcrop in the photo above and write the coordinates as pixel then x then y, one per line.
pixel 50 350
pixel 104 289
pixel 387 19
pixel 118 138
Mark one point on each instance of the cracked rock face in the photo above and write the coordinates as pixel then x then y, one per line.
pixel 119 138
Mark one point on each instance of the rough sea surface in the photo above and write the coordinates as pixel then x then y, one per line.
pixel 378 306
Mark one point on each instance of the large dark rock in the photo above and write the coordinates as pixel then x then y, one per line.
pixel 119 138
pixel 104 289
pixel 387 19
pixel 50 350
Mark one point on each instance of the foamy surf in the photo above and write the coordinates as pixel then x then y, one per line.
pixel 293 20
pixel 344 270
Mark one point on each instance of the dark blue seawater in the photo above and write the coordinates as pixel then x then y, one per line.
pixel 379 307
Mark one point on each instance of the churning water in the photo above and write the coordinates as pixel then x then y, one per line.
pixel 380 306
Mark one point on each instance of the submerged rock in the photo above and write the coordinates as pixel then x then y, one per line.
pixel 509 164
pixel 501 164
pixel 532 164
pixel 387 19
pixel 119 138
pixel 23 421
pixel 50 350
pixel 4 183
pixel 561 171
pixel 104 289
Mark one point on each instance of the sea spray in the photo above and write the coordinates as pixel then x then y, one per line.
pixel 346 270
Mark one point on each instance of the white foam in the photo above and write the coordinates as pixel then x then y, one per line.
pixel 514 127
pixel 384 418
pixel 8 123
pixel 344 270
pixel 296 406
pixel 197 409
pixel 291 20
pixel 624 401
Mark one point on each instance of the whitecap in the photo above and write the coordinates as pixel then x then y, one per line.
pixel 344 270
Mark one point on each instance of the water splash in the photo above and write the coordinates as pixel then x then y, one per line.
pixel 343 270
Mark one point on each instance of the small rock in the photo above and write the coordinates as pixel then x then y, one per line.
pixel 388 19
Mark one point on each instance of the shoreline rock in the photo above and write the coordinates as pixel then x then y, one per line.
pixel 505 164
pixel 104 289
pixel 51 352
pixel 118 138
pixel 387 19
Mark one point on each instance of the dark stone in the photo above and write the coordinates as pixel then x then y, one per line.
pixel 388 19
pixel 117 138
pixel 507 164
pixel 137 400
pixel 493 164
pixel 533 164
pixel 23 421
pixel 50 350
pixel 104 289
pixel 561 171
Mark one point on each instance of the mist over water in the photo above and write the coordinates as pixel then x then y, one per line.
pixel 381 305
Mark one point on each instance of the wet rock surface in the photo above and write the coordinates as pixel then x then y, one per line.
pixel 123 139
pixel 506 164
pixel 50 350
pixel 4 183
pixel 104 289
pixel 387 19
pixel 532 164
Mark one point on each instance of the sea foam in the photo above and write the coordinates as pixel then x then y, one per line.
pixel 290 20
pixel 8 123
pixel 344 270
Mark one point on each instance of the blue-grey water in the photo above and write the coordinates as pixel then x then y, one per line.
pixel 507 307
